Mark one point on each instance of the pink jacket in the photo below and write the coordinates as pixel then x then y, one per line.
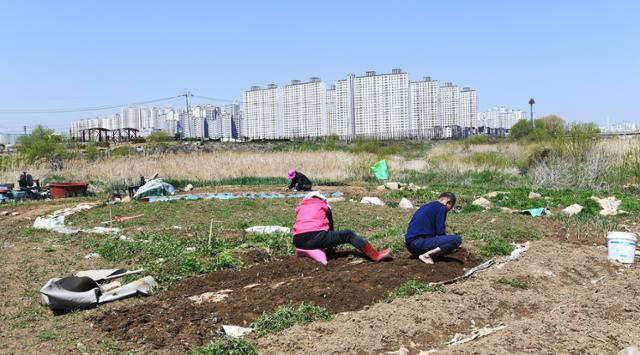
pixel 311 216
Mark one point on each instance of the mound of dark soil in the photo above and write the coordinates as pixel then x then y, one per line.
pixel 348 283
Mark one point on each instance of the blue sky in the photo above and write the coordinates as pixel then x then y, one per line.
pixel 578 59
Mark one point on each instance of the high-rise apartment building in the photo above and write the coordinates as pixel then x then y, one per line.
pixel 262 112
pixel 130 117
pixel 424 104
pixel 345 115
pixel 331 110
pixel 381 103
pixel 468 108
pixel 449 105
pixel 304 109
pixel 500 117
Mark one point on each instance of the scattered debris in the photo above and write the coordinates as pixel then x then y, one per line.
pixel 276 285
pixel 268 230
pixel 235 331
pixel 482 202
pixel 413 187
pixel 127 218
pixel 536 212
pixel 92 256
pixel 126 199
pixel 56 224
pixel 111 285
pixel 609 205
pixel 154 187
pixel 211 297
pixel 251 286
pixel 188 188
pixel 405 203
pixel 630 350
pixel 176 227
pixel 106 274
pixel 518 250
pixel 573 209
pixel 4 213
pixel 190 249
pixel 380 187
pixel 372 201
pixel 495 193
pixel 401 351
pixel 392 185
pixel 74 292
pixel 13 214
pixel 534 195
pixel 461 338
pixel 335 199
pixel 55 221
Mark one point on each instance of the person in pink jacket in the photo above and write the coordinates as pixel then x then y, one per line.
pixel 314 229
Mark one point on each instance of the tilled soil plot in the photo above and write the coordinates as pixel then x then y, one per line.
pixel 575 302
pixel 348 283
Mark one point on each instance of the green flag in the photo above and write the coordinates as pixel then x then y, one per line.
pixel 380 170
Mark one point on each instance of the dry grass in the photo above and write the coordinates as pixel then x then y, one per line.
pixel 336 166
pixel 454 158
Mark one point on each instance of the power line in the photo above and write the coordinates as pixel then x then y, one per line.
pixel 79 109
pixel 213 98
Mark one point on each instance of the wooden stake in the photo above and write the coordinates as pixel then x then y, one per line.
pixel 210 232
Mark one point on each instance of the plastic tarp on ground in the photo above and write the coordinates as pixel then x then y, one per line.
pixel 155 187
pixel 74 293
pixel 232 195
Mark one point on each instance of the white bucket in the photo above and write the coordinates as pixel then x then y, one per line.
pixel 622 246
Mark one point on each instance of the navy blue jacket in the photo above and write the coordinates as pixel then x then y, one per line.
pixel 428 221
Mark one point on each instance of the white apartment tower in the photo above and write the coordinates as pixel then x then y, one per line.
pixel 331 110
pixel 344 117
pixel 304 109
pixel 449 105
pixel 262 112
pixel 500 117
pixel 381 103
pixel 424 104
pixel 130 117
pixel 468 108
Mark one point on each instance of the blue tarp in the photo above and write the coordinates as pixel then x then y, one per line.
pixel 231 195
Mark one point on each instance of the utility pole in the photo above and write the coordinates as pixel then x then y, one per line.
pixel 25 130
pixel 186 98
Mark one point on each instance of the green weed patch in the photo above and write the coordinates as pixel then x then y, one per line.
pixel 227 346
pixel 287 316
pixel 413 288
pixel 514 282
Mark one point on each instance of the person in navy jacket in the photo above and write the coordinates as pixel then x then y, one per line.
pixel 426 235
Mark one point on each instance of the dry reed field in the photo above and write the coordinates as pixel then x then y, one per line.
pixel 324 165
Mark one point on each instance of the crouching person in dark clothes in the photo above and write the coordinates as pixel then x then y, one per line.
pixel 426 235
pixel 314 229
pixel 299 182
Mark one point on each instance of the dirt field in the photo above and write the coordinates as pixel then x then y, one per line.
pixel 348 283
pixel 575 301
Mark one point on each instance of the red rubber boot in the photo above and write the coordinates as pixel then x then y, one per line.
pixel 375 255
